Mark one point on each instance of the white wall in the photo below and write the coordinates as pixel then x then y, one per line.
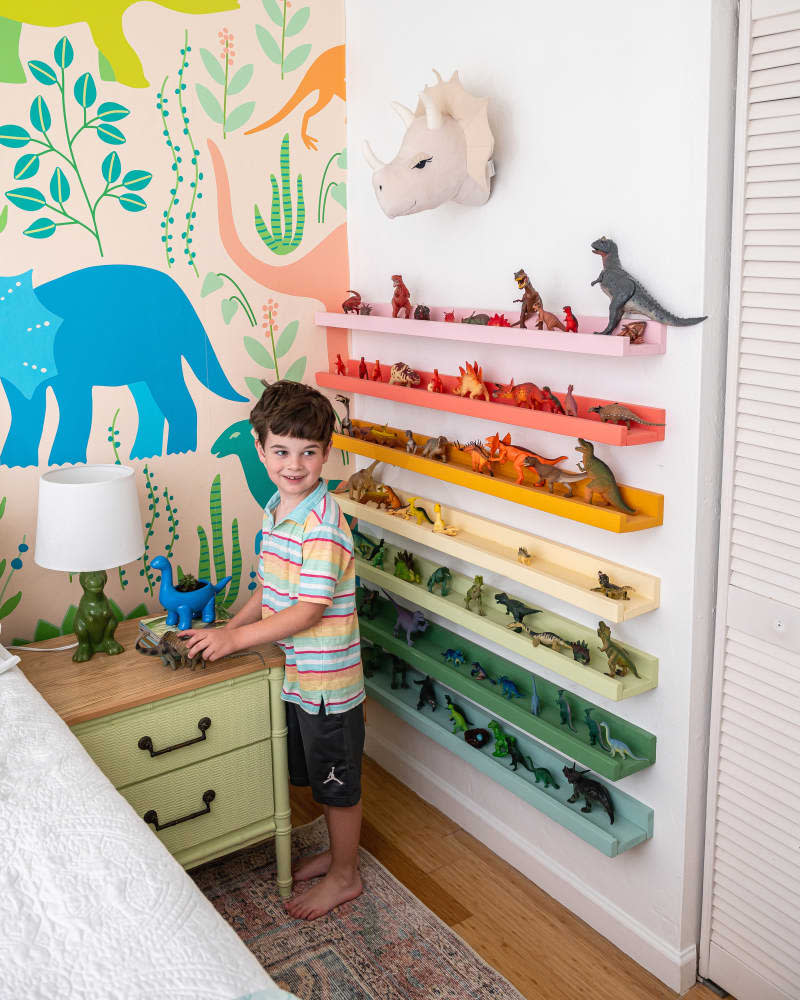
pixel 609 119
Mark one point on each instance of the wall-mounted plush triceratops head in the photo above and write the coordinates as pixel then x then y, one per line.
pixel 446 153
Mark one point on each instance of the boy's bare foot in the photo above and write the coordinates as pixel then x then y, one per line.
pixel 330 892
pixel 312 867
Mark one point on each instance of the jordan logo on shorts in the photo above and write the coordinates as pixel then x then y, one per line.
pixel 332 777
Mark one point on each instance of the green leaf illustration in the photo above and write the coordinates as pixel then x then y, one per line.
pixel 111 168
pixel 239 116
pixel 298 21
pixel 132 202
pixel 296 58
pixel 14 136
pixel 110 111
pixel 63 53
pixel 45 630
pixel 40 229
pixel 10 604
pixel 59 186
pixel 110 134
pixel 273 9
pixel 85 90
pixel 136 180
pixel 254 385
pixel 210 104
pixel 268 44
pixel 28 199
pixel 2 566
pixel 40 114
pixel 297 370
pixel 44 74
pixel 213 65
pixel 240 79
pixel 286 338
pixel 229 307
pixel 211 283
pixel 3 221
pixel 26 166
pixel 258 352
pixel 341 159
pixel 339 193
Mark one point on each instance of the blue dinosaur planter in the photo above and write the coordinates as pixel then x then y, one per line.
pixel 182 607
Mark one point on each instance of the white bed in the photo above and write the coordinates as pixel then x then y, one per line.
pixel 92 906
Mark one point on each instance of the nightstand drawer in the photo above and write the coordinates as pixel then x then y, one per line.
pixel 238 711
pixel 242 786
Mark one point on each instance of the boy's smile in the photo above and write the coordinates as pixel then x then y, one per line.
pixel 294 465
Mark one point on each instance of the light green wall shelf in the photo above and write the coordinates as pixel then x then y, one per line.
pixel 492 626
pixel 426 655
pixel 633 823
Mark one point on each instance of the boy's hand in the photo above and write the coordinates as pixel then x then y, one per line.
pixel 213 643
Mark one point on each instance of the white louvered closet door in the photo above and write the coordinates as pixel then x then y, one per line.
pixel 750 940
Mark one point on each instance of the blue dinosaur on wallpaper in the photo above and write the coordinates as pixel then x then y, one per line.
pixel 120 324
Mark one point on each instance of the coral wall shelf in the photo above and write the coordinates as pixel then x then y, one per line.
pixel 380 321
pixel 425 655
pixel 649 506
pixel 586 425
pixel 493 626
pixel 633 822
pixel 555 569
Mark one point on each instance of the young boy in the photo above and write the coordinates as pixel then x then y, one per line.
pixel 306 605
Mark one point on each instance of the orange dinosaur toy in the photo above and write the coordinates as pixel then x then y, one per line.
pixel 525 394
pixel 401 297
pixel 471 383
pixel 507 452
pixel 481 459
pixel 383 496
pixel 325 77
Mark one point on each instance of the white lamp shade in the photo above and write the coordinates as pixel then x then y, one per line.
pixel 88 519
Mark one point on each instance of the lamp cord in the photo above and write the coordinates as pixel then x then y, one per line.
pixel 44 649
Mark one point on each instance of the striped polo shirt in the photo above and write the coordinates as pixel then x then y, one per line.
pixel 308 556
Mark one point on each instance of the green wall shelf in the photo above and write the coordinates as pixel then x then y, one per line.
pixel 633 823
pixel 426 655
pixel 493 624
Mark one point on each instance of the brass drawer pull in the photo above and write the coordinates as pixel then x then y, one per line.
pixel 145 743
pixel 151 816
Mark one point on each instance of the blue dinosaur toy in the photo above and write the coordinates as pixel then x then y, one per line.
pixel 615 746
pixel 510 689
pixel 565 710
pixel 455 657
pixel 183 606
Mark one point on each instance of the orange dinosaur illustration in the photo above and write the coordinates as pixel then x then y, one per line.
pixel 471 383
pixel 508 452
pixel 326 77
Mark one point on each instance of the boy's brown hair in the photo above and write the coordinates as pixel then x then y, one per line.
pixel 292 409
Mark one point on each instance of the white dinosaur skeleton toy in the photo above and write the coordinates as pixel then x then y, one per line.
pixel 446 153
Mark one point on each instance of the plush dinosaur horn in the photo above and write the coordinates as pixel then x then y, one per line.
pixel 371 158
pixel 433 115
pixel 406 114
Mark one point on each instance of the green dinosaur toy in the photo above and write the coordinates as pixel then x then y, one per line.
pixel 500 740
pixel 601 479
pixel 619 663
pixel 94 623
pixel 475 593
pixel 405 568
pixel 457 716
pixel 440 577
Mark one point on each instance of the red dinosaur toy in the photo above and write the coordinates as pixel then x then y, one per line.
pixel 525 394
pixel 352 304
pixel 498 320
pixel 435 384
pixel 450 317
pixel 340 365
pixel 363 371
pixel 570 322
pixel 401 298
pixel 570 406
pixel 516 455
pixel 376 372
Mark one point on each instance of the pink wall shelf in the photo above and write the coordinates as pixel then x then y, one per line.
pixel 586 425
pixel 380 321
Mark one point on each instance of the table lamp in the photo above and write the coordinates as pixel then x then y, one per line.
pixel 89 521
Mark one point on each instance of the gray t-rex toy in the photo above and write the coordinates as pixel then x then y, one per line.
pixel 408 621
pixel 627 294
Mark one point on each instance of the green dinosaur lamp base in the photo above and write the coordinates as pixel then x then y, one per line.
pixel 95 622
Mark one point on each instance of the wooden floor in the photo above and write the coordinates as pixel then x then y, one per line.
pixel 537 944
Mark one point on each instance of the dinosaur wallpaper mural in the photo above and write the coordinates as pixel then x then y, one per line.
pixel 173 191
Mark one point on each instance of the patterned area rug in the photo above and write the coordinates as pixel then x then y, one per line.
pixel 385 945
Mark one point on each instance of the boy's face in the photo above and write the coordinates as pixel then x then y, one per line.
pixel 293 464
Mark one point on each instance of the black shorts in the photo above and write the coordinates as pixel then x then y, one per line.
pixel 325 753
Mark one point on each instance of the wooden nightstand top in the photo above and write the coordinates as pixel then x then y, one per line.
pixel 108 684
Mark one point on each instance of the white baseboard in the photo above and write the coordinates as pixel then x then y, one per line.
pixel 677 969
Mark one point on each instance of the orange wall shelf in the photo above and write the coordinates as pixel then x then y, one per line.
pixel 586 342
pixel 586 425
pixel 458 469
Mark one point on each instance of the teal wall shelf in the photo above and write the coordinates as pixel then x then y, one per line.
pixel 633 823
pixel 426 655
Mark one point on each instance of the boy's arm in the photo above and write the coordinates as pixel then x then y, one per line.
pixel 216 643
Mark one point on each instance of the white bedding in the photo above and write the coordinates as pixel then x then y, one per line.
pixel 92 906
